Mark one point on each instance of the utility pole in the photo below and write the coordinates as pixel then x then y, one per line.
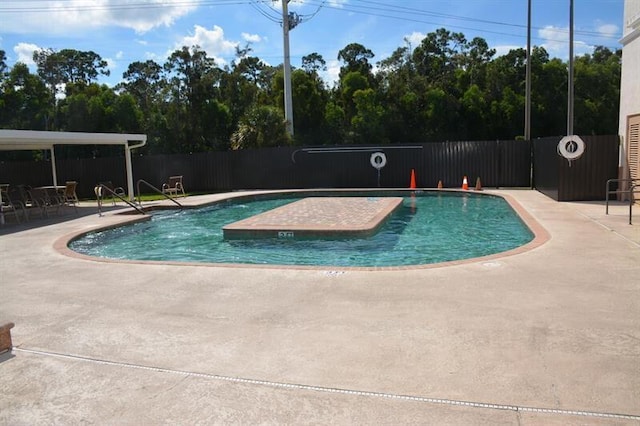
pixel 570 93
pixel 288 23
pixel 527 104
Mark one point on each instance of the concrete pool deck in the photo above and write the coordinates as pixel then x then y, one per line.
pixel 549 336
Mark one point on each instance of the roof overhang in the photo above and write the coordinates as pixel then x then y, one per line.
pixel 18 140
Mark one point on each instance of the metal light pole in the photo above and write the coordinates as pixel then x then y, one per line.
pixel 288 101
pixel 570 93
pixel 527 104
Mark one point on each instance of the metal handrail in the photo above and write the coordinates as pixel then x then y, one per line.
pixel 635 183
pixel 617 191
pixel 156 190
pixel 631 200
pixel 113 193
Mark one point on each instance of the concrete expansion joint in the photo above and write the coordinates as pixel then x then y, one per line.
pixel 372 394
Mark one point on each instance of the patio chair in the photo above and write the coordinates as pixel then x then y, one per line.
pixel 11 205
pixel 174 186
pixel 69 197
pixel 117 190
pixel 45 201
pixel 22 195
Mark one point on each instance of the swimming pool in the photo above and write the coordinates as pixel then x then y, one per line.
pixel 430 227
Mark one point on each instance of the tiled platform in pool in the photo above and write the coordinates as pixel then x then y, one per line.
pixel 318 217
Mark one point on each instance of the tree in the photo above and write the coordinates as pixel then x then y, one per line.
pixel 349 84
pixel 261 127
pixel 368 126
pixel 69 66
pixel 597 92
pixel 438 56
pixel 142 80
pixel 309 103
pixel 313 63
pixel 25 100
pixel 3 65
pixel 194 79
pixel 356 59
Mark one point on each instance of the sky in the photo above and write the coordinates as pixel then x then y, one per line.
pixel 126 31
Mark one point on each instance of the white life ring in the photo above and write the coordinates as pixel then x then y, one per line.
pixel 378 160
pixel 571 147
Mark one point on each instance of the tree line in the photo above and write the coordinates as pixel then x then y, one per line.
pixel 446 88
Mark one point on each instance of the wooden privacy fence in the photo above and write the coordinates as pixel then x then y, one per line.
pixel 497 163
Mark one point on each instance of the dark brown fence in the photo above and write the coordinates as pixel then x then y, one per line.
pixel 581 180
pixel 496 163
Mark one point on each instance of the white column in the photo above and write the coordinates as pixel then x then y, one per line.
pixel 127 159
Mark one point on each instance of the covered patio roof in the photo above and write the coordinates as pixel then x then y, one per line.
pixel 21 140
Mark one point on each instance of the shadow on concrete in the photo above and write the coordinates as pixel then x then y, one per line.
pixel 6 356
pixel 66 214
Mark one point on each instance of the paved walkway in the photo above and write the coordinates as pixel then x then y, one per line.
pixel 551 336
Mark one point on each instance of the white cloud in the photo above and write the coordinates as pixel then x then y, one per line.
pixel 211 41
pixel 58 17
pixel 556 42
pixel 609 30
pixel 504 49
pixel 24 52
pixel 337 3
pixel 332 74
pixel 251 38
pixel 112 64
pixel 415 38
pixel 154 57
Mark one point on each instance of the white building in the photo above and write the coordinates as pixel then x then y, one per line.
pixel 629 127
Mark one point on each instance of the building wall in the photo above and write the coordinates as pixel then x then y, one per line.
pixel 630 84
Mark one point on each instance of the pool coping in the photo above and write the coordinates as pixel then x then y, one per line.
pixel 540 234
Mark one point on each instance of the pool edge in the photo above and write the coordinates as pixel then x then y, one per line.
pixel 540 235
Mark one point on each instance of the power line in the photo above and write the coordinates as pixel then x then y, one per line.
pixel 366 7
pixel 256 5
pixel 407 14
pixel 21 8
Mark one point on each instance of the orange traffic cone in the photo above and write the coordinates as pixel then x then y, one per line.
pixel 412 185
pixel 478 184
pixel 439 184
pixel 465 183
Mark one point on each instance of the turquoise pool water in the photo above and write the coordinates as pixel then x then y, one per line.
pixel 428 228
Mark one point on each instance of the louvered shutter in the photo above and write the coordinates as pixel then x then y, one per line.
pixel 633 137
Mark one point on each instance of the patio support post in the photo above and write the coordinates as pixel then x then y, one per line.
pixel 54 172
pixel 127 159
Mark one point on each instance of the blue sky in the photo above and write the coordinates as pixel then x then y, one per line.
pixel 125 31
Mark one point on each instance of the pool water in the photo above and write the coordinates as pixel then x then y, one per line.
pixel 428 228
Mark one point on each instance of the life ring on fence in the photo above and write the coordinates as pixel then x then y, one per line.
pixel 378 160
pixel 571 147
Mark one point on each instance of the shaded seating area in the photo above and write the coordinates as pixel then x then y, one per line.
pixel 174 186
pixel 22 202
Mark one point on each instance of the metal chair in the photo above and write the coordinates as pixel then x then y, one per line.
pixel 174 186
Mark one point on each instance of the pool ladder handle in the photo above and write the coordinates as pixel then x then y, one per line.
pixel 106 189
pixel 635 183
pixel 156 190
